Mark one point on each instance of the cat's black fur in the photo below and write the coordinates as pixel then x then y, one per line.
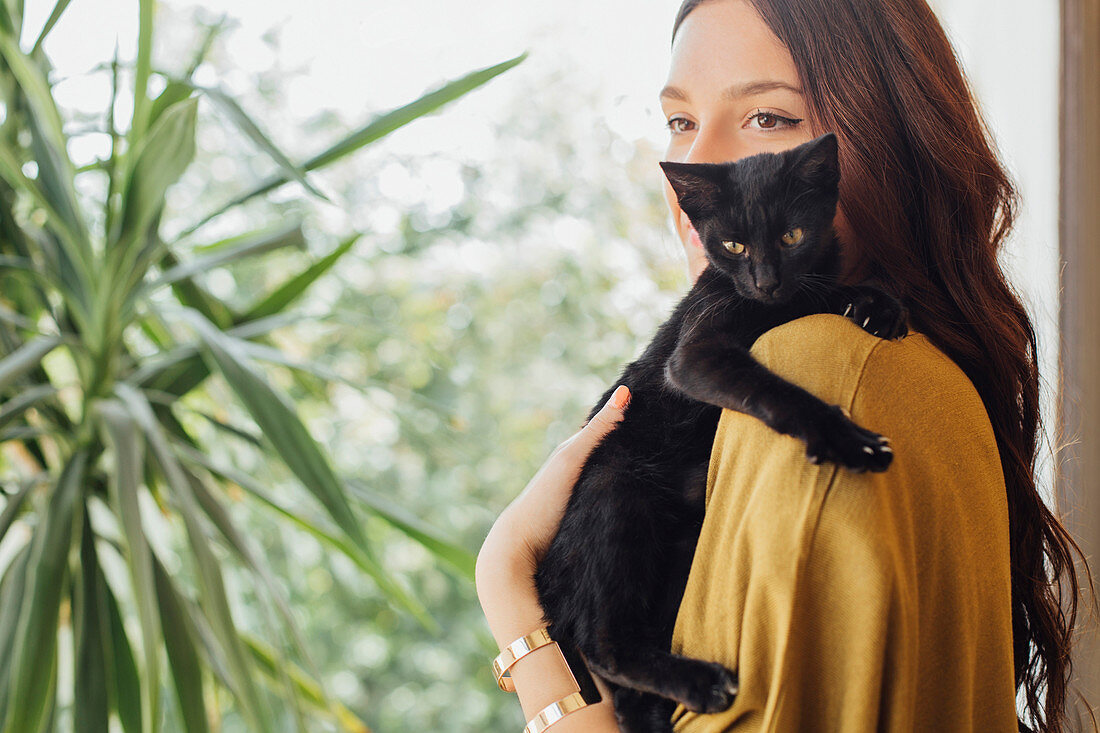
pixel 612 579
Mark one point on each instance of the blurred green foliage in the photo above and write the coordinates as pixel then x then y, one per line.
pixel 473 338
pixel 455 345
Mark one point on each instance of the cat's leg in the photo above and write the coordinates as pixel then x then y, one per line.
pixel 702 687
pixel 623 625
pixel 641 712
pixel 712 368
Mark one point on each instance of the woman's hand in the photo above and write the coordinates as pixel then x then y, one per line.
pixel 523 531
pixel 506 566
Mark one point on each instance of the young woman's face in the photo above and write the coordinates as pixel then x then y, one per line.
pixel 732 91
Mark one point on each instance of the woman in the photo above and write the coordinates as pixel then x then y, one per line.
pixel 915 599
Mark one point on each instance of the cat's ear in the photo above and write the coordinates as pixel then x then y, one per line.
pixel 818 163
pixel 698 186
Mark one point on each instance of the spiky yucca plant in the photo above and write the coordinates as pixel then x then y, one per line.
pixel 89 440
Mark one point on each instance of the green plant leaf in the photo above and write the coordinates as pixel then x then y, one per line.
pixel 171 400
pixel 377 128
pixel 461 559
pixel 248 126
pixel 305 687
pixel 212 32
pixel 183 658
pixel 279 420
pixel 173 92
pixel 179 370
pixel 16 263
pixel 25 358
pixel 194 295
pixel 58 9
pixel 126 443
pixel 365 562
pixel 19 321
pixel 92 639
pixel 142 69
pixel 126 684
pixel 288 292
pixel 160 160
pixel 6 25
pixel 55 169
pixel 66 261
pixel 34 660
pixel 11 509
pixel 211 583
pixel 241 547
pixel 281 425
pixel 32 81
pixel 237 248
pixel 13 586
pixel 17 405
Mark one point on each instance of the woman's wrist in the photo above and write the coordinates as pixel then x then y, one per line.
pixel 506 590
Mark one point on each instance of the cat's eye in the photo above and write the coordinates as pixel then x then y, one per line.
pixel 735 247
pixel 792 237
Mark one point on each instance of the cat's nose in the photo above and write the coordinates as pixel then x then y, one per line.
pixel 767 284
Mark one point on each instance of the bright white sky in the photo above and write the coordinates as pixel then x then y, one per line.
pixel 365 55
pixel 371 55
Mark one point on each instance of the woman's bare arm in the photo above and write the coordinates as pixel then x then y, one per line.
pixel 505 570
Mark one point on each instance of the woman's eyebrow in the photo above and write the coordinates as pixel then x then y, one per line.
pixel 734 92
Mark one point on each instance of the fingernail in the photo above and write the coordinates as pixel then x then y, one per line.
pixel 620 397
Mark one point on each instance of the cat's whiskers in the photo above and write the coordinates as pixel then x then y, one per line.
pixel 714 308
pixel 816 285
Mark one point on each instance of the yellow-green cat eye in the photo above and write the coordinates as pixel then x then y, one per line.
pixel 735 247
pixel 792 237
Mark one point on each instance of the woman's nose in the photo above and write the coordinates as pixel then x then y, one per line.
pixel 714 145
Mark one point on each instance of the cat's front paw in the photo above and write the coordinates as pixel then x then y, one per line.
pixel 708 688
pixel 834 437
pixel 878 313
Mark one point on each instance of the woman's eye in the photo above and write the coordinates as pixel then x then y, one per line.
pixel 672 124
pixel 772 121
pixel 768 121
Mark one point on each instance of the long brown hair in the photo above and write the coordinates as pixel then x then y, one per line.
pixel 930 204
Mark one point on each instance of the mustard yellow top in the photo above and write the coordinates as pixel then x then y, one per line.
pixel 856 602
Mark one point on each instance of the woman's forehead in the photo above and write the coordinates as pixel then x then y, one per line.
pixel 724 47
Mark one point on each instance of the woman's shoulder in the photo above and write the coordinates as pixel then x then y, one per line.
pixel 946 468
pixel 891 382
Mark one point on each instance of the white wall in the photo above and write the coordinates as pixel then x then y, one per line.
pixel 1010 49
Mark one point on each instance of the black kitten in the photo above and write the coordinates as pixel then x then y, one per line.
pixel 612 579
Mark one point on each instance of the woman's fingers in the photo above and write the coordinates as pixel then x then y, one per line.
pixel 526 527
pixel 593 431
pixel 611 412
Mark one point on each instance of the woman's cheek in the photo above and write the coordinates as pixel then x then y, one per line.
pixel 673 210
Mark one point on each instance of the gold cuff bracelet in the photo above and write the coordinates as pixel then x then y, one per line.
pixel 554 712
pixel 515 651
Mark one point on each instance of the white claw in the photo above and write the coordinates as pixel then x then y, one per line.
pixel 886 449
pixel 848 310
pixel 868 449
pixel 866 321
